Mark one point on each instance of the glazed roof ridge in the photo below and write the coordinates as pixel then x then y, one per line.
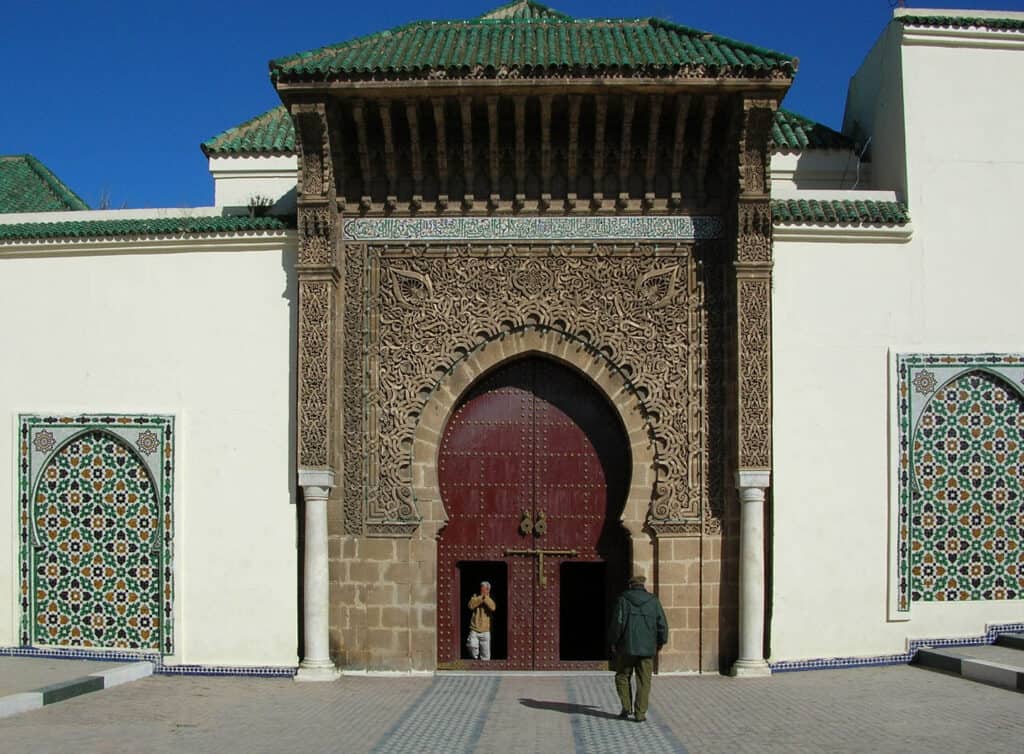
pixel 856 212
pixel 142 227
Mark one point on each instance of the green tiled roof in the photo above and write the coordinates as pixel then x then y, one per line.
pixel 792 132
pixel 531 40
pixel 273 132
pixel 163 226
pixel 958 22
pixel 27 185
pixel 838 212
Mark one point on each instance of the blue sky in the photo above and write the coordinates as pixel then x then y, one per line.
pixel 116 96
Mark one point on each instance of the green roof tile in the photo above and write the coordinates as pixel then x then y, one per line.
pixel 27 185
pixel 163 226
pixel 529 39
pixel 795 133
pixel 273 133
pixel 958 22
pixel 838 212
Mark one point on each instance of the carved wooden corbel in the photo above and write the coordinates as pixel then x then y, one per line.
pixel 654 121
pixel 600 116
pixel 520 118
pixel 572 156
pixel 545 152
pixel 412 116
pixel 466 109
pixel 704 158
pixel 679 148
pixel 493 152
pixel 365 169
pixel 626 149
pixel 442 152
pixel 390 166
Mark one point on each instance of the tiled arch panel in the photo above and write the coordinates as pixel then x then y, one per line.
pixel 96 534
pixel 960 518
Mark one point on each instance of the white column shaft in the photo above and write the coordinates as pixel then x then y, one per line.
pixel 751 661
pixel 316 664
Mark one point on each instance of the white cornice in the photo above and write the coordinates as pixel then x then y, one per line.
pixel 866 234
pixel 192 243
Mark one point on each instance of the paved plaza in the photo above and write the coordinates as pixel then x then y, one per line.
pixel 891 709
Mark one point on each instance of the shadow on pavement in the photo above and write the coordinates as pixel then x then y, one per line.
pixel 568 708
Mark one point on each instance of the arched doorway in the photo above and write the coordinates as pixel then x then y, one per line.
pixel 534 468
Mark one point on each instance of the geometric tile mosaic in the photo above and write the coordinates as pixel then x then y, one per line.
pixel 960 518
pixel 96 531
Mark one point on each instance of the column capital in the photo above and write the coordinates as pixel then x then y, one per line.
pixel 760 478
pixel 316 478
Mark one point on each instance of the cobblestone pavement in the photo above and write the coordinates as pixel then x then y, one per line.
pixel 892 709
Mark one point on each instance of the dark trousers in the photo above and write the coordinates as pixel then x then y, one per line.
pixel 624 665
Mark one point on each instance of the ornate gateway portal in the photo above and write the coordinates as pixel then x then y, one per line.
pixel 517 222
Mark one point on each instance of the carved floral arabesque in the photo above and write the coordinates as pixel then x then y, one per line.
pixel 638 307
pixel 755 371
pixel 314 372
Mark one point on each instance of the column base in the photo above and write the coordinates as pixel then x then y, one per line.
pixel 750 669
pixel 317 671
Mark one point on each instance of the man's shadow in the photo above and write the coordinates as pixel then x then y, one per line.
pixel 568 708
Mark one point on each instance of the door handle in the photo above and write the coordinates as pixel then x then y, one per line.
pixel 525 523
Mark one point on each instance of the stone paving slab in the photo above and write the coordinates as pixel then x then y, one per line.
pixel 891 709
pixel 18 674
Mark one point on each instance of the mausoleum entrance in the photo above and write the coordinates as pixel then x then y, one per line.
pixel 534 467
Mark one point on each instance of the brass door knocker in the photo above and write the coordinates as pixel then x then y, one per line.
pixel 525 523
pixel 541 526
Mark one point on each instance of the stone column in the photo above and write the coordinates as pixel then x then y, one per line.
pixel 753 266
pixel 316 665
pixel 751 662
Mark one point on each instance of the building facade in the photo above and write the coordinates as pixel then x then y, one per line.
pixel 543 301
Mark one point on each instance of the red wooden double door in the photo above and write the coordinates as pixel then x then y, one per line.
pixel 533 468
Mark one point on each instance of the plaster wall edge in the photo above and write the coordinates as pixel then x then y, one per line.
pixel 178 244
pixel 899 234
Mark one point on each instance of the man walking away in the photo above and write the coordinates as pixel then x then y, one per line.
pixel 637 631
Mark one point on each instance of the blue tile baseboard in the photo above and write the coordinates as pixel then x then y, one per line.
pixel 101 655
pixel 903 658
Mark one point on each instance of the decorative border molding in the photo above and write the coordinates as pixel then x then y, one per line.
pixel 833 663
pixel 907 407
pixel 159 667
pixel 151 434
pixel 562 229
pixel 864 234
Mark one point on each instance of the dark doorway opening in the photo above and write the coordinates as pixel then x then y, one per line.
pixel 582 611
pixel 471 573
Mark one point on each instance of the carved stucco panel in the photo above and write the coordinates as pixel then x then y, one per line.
pixel 754 336
pixel 641 307
pixel 315 297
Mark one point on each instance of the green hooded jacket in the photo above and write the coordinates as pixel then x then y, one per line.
pixel 638 625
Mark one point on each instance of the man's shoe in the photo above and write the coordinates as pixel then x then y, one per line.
pixel 624 715
pixel 641 719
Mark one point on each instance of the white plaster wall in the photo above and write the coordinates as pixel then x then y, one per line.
pixel 838 309
pixel 207 337
pixel 237 180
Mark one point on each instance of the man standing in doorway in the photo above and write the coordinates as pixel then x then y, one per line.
pixel 483 607
pixel 637 631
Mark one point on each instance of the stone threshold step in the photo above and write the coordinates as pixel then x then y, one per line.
pixel 994 665
pixel 13 704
